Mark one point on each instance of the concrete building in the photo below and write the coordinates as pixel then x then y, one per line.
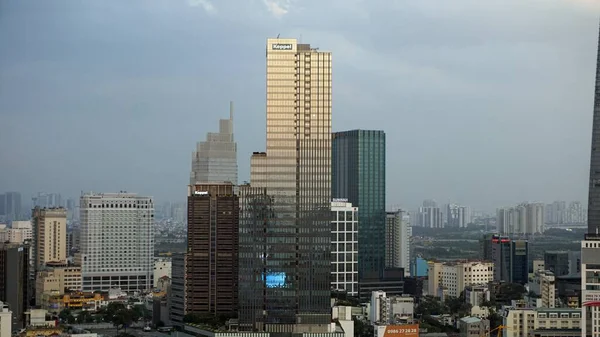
pixel 538 265
pixel 525 218
pixel 391 281
pixel 20 231
pixel 54 279
pixel 430 217
pixel 12 206
pixel 49 236
pixel 391 309
pixel 473 327
pixel 453 277
pixel 510 258
pixel 398 234
pixel 5 320
pixel 476 295
pixel 525 322
pixel 215 159
pixel 162 267
pixel 458 216
pixel 543 284
pixel 117 241
pixel 288 202
pixel 213 249
pixel 563 262
pixel 344 246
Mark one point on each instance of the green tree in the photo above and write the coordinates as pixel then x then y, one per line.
pixel 84 317
pixel 363 329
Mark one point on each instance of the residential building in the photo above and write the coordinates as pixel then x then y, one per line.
pixel 117 241
pixel 562 262
pixel 391 309
pixel 398 234
pixel 358 174
pixel 12 206
pixel 458 216
pixel 215 159
pixel 538 265
pixel 212 260
pixel 178 301
pixel 49 236
pixel 543 284
pixel 453 277
pixel 419 266
pixel 162 267
pixel 477 295
pixel 5 320
pixel 525 322
pixel 14 281
pixel 20 231
pixel 473 327
pixel 344 247
pixel 431 217
pixel 525 218
pixel 285 284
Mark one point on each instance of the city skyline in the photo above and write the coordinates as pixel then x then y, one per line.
pixel 161 103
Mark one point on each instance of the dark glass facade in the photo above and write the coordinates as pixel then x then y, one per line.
pixel 358 174
pixel 594 189
pixel 14 277
pixel 510 258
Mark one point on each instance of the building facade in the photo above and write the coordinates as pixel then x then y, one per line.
pixel 49 236
pixel 344 247
pixel 562 262
pixel 117 241
pixel 525 218
pixel 398 233
pixel 431 217
pixel 212 254
pixel 286 280
pixel 525 322
pixel 215 159
pixel 14 281
pixel 458 216
pixel 178 301
pixel 510 258
pixel 451 278
pixel 358 174
pixel 543 284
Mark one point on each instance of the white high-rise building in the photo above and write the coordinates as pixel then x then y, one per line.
pixel 431 217
pixel 526 218
pixel 215 159
pixel 344 243
pixel 458 216
pixel 117 241
pixel 398 233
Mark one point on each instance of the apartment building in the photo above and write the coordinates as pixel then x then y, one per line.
pixel 543 285
pixel 453 277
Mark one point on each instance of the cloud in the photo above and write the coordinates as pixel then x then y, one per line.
pixel 207 5
pixel 278 8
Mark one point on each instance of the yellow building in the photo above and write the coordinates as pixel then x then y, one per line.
pixel 46 331
pixel 57 278
pixel 50 236
pixel 81 300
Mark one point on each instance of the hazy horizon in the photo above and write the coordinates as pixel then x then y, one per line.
pixel 485 104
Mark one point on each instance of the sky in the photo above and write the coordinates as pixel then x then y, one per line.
pixel 484 103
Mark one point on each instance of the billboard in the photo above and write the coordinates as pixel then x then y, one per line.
pixel 275 279
pixel 407 330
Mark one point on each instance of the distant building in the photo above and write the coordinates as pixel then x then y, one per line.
pixel 543 284
pixel 458 216
pixel 117 241
pixel 178 301
pixel 49 236
pixel 12 206
pixel 344 245
pixel 510 258
pixel 391 310
pixel 398 234
pixel 542 322
pixel 5 320
pixel 526 218
pixel 419 267
pixel 391 281
pixel 215 159
pixel 562 262
pixel 162 267
pixel 54 279
pixel 20 231
pixel 430 217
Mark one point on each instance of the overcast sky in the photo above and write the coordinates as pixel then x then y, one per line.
pixel 485 103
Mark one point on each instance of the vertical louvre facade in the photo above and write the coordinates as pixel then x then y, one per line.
pixel 212 258
pixel 295 177
pixel 594 187
pixel 358 167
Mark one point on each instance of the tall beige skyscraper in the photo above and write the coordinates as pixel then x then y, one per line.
pixel 285 260
pixel 49 236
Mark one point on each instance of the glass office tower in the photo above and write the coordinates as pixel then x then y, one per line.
pixel 358 174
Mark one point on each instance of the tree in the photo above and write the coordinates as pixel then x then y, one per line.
pixel 84 317
pixel 363 329
pixel 122 319
pixel 66 315
pixel 510 291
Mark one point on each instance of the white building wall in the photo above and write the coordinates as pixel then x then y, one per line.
pixel 117 241
pixel 162 267
pixel 5 321
pixel 344 240
pixel 590 287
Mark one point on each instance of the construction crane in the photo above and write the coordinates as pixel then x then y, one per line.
pixel 499 329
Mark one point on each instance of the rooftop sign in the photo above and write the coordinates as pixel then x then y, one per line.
pixel 282 46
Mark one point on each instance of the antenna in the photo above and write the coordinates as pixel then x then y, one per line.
pixel 278 35
pixel 231 110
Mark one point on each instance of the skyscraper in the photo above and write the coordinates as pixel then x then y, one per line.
pixel 215 159
pixel 49 235
pixel 14 278
pixel 510 258
pixel 12 208
pixel 358 174
pixel 212 254
pixel 117 241
pixel 590 246
pixel 286 259
pixel 397 247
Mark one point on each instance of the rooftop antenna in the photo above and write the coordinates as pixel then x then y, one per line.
pixel 231 110
pixel 278 35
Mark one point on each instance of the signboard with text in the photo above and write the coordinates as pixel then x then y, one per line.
pixel 408 330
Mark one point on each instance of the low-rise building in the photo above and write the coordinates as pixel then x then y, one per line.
pixel 5 320
pixel 162 267
pixel 543 285
pixel 451 278
pixel 57 278
pixel 473 326
pixel 522 322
